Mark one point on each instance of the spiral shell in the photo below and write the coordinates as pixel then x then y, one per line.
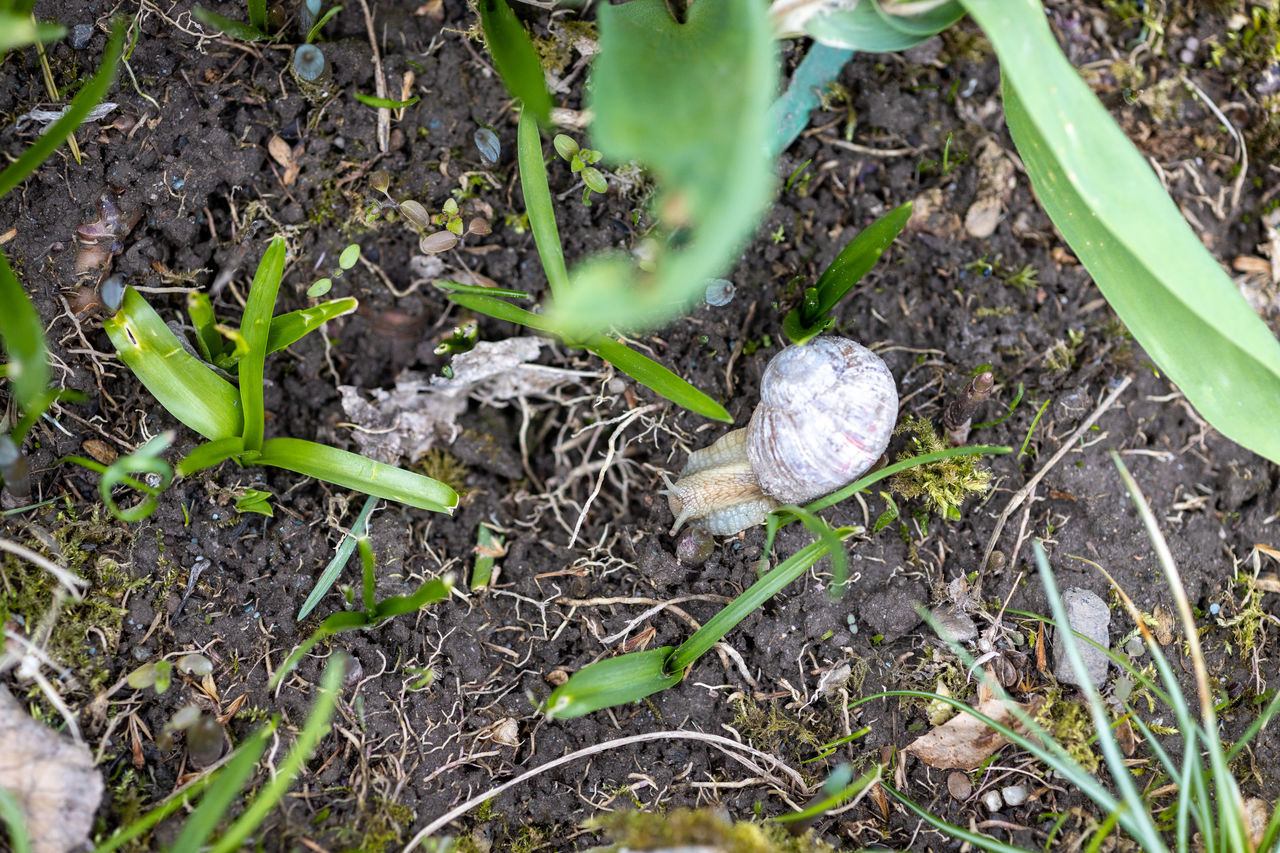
pixel 827 410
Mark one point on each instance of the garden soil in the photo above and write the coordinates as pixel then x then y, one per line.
pixel 443 705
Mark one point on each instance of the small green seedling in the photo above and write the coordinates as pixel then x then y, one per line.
pixel 346 261
pixel 582 160
pixel 157 675
pixel 374 612
pixel 255 30
pixel 813 316
pixel 255 500
pixel 489 547
pixel 232 416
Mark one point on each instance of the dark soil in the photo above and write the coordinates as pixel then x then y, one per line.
pixel 185 155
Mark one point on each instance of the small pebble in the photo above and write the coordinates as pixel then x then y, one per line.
pixel 1014 795
pixel 959 786
pixel 992 800
pixel 997 561
pixel 719 292
pixel 952 625
pixel 355 671
pixel 81 35
pixel 1088 615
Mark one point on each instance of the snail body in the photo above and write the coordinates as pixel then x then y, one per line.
pixel 827 410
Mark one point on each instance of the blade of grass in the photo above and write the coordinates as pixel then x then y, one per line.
pixel 258 15
pixel 18 30
pixel 789 114
pixel 951 830
pixel 187 389
pixel 478 290
pixel 316 727
pixel 15 819
pixel 515 57
pixel 314 32
pixel 85 100
pixel 255 326
pixel 612 681
pixel 177 800
pixel 353 471
pixel 288 328
pixel 224 790
pixel 537 203
pixel 889 470
pixel 385 103
pixel 209 454
pixel 23 336
pixel 340 557
pixel 369 582
pixel 434 590
pixel 334 623
pixel 853 790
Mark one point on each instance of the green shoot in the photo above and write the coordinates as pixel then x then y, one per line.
pixel 255 500
pixel 385 103
pixel 235 29
pixel 488 549
pixel 813 316
pixel 11 811
pixel 515 57
pixel 582 161
pixel 145 460
pixel 373 614
pixel 340 557
pixel 314 32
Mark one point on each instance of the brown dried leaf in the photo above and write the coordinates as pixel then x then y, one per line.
pixel 965 742
pixel 1163 628
pixel 283 154
pixel 52 778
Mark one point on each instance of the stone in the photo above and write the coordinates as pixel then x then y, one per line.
pixel 1088 615
pixel 953 625
pixel 81 35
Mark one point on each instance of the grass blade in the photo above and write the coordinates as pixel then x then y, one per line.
pixel 714 629
pixel 85 100
pixel 515 57
pixel 316 727
pixel 23 336
pixel 289 328
pixel 537 204
pixel 186 387
pixel 255 327
pixel 15 819
pixel 233 28
pixel 258 15
pixel 434 590
pixel 657 378
pixel 889 470
pixel 223 791
pixel 209 454
pixel 340 557
pixel 1113 212
pixel 20 30
pixel 502 310
pixel 353 471
pixel 335 623
pixel 385 103
pixel 612 681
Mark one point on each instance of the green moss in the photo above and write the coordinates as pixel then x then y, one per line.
pixel 380 828
pixel 772 729
pixel 943 485
pixel 439 464
pixel 647 831
pixel 1071 726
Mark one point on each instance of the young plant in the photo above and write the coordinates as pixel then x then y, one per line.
pixel 233 418
pixel 1209 805
pixel 582 160
pixel 255 30
pixel 374 612
pixel 635 675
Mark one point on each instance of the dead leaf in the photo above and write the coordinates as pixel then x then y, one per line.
pixel 52 778
pixel 99 450
pixel 1164 624
pixel 639 641
pixel 964 742
pixel 284 155
pixel 995 185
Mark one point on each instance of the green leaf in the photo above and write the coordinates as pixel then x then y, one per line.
pixel 386 103
pixel 868 27
pixel 1111 209
pixel 479 290
pixel 320 288
pixel 613 681
pixel 200 309
pixel 639 367
pixel 436 589
pixel 23 337
pixel 340 557
pixel 85 100
pixel 255 326
pixel 258 14
pixel 235 29
pixel 145 460
pixel 186 387
pixel 256 500
pixel 369 586
pixel 538 205
pixel 18 30
pixel 271 793
pixel 515 57
pixel 10 810
pixel 689 102
pixel 287 329
pixel 209 454
pixel 314 32
pixel 789 114
pixel 353 471
pixel 349 256
pixel 654 376
pixel 488 544
pixel 218 799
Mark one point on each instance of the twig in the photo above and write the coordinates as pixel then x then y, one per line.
pixel 379 85
pixel 717 741
pixel 1067 446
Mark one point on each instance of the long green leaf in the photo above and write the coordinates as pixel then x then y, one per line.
pixel 868 27
pixel 789 114
pixel 224 790
pixel 316 727
pixel 23 336
pixel 340 557
pixel 537 203
pixel 287 329
pixel 255 326
pixel 688 101
pixel 84 101
pixel 1111 209
pixel 436 589
pixel 209 454
pixel 233 28
pixel 612 681
pixel 515 57
pixel 186 387
pixel 258 14
pixel 353 471
pixel 14 818
pixel 19 30
pixel 336 623
pixel 639 367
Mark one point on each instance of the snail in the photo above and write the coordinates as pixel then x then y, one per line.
pixel 827 410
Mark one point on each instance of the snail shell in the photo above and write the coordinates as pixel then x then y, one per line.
pixel 827 410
